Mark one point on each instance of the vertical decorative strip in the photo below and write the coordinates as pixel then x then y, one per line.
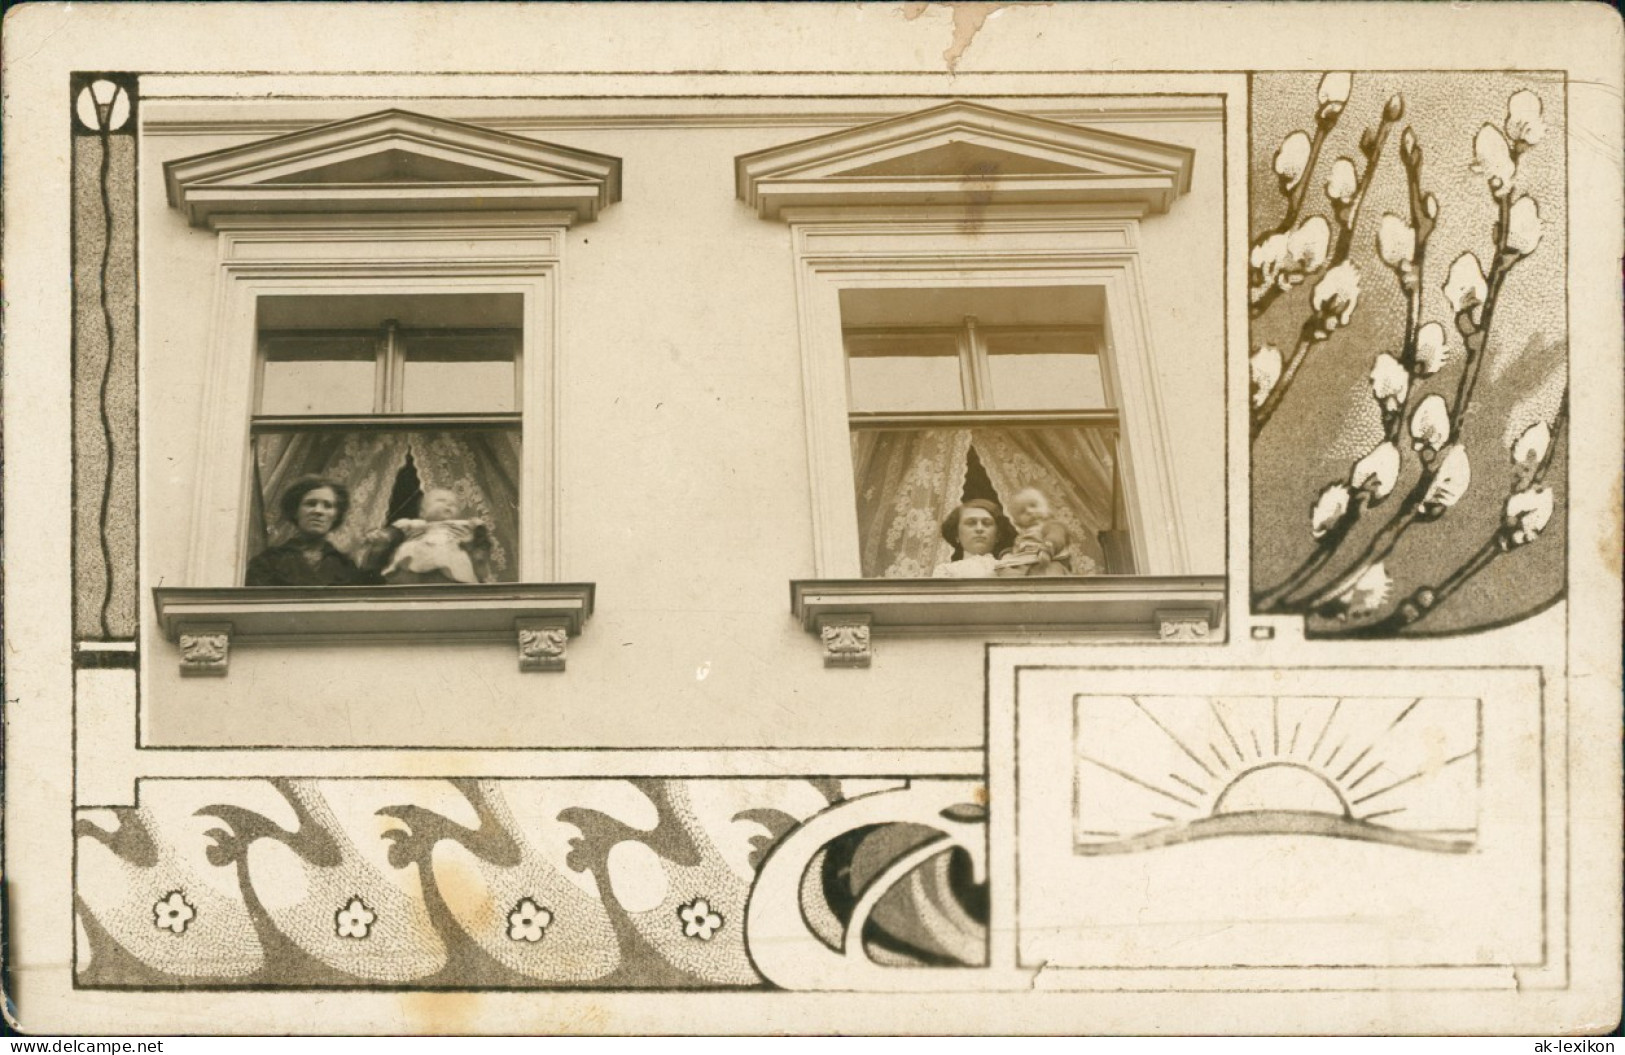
pixel 104 358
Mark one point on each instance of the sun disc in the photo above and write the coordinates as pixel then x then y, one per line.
pixel 1280 786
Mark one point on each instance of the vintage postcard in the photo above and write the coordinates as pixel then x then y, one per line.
pixel 894 517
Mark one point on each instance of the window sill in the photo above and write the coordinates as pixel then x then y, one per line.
pixel 844 612
pixel 538 617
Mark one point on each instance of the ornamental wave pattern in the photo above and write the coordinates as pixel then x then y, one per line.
pixel 415 883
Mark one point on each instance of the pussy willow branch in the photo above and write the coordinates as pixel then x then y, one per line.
pixel 1348 219
pixel 1325 120
pixel 1428 599
pixel 1476 344
pixel 1410 155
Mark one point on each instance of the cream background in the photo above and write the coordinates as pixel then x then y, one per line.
pixel 44 42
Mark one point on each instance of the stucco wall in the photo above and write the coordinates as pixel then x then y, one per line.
pixel 684 484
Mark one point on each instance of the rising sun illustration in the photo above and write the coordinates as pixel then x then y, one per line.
pixel 1160 770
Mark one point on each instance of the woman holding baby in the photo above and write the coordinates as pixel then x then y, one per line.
pixel 437 546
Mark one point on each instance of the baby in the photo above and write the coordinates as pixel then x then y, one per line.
pixel 438 547
pixel 1043 545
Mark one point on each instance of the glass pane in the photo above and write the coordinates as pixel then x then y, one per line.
pixel 1044 372
pixel 387 474
pixel 910 480
pixel 459 374
pixel 904 373
pixel 318 375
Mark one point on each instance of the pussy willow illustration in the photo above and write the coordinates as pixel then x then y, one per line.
pixel 1450 404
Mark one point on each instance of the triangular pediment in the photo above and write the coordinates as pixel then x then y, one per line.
pixel 394 161
pixel 395 165
pixel 964 153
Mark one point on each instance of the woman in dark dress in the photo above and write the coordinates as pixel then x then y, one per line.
pixel 316 507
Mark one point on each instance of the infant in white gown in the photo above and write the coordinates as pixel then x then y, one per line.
pixel 437 542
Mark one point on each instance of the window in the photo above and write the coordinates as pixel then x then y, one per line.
pixel 955 395
pixel 394 396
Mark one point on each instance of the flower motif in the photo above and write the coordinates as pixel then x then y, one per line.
pixel 354 920
pixel 1389 383
pixel 1431 351
pixel 1492 159
pixel 1308 242
pixel 528 921
pixel 1523 124
pixel 1396 242
pixel 1335 88
pixel 1530 448
pixel 1523 226
pixel 1266 371
pixel 1464 286
pixel 1430 425
pixel 1450 481
pixel 1291 158
pixel 1343 182
pixel 1335 296
pixel 699 921
pixel 1377 472
pixel 173 912
pixel 1330 509
pixel 1526 515
pixel 1367 593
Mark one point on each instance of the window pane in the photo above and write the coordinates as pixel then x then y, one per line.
pixel 900 373
pixel 1044 372
pixel 459 374
pixel 318 375
pixel 909 480
pixel 387 473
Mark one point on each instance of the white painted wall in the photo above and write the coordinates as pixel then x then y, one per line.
pixel 684 480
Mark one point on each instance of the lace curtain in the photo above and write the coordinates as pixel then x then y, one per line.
pixel 481 467
pixel 907 481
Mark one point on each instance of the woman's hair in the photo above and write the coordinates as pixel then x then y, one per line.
pixel 1004 533
pixel 301 487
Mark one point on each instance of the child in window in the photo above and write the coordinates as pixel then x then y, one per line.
pixel 440 546
pixel 1043 544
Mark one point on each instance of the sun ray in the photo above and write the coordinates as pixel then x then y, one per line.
pixel 1177 741
pixel 1165 817
pixel 1258 752
pixel 1188 784
pixel 1383 813
pixel 1361 779
pixel 1292 745
pixel 1330 718
pixel 1333 755
pixel 1419 773
pixel 1214 706
pixel 1275 725
pixel 1214 747
pixel 1136 780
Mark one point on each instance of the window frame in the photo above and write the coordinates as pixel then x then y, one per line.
pixel 335 256
pixel 1089 245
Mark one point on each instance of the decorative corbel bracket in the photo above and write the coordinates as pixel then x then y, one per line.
pixel 542 643
pixel 846 640
pixel 1183 624
pixel 205 648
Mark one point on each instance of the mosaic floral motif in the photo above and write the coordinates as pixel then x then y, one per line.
pixel 484 884
pixel 528 921
pixel 699 922
pixel 354 920
pixel 173 912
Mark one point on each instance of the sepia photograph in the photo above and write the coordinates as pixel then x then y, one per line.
pixel 570 518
